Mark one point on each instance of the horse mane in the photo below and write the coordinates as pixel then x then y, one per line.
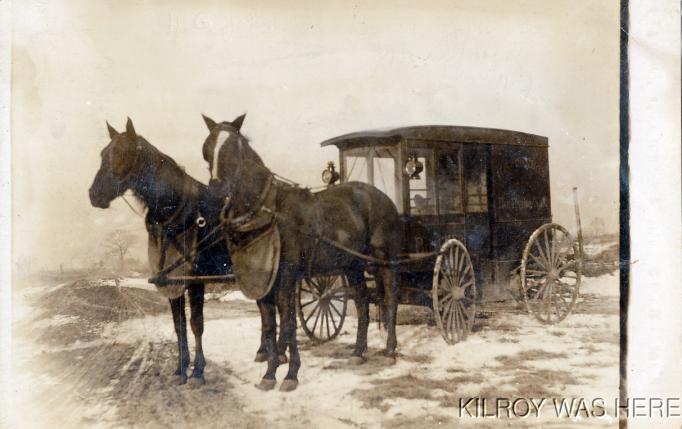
pixel 254 154
pixel 154 158
pixel 160 156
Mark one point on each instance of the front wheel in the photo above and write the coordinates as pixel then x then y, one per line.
pixel 321 306
pixel 454 292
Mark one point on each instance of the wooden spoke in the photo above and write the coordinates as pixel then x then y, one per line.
pixel 313 312
pixel 468 284
pixel 317 318
pixel 446 299
pixel 541 264
pixel 308 303
pixel 459 322
pixel 549 256
pixel 323 321
pixel 550 273
pixel 454 291
pixel 331 317
pixel 336 310
pixel 541 254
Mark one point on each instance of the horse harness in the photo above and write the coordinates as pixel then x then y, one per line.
pixel 168 231
pixel 260 219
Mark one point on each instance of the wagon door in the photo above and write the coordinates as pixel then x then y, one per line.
pixel 476 179
pixel 435 195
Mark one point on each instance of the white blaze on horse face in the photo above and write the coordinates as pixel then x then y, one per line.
pixel 220 140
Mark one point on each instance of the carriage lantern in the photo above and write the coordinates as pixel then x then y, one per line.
pixel 330 175
pixel 413 167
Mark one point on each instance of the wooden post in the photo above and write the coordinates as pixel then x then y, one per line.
pixel 577 221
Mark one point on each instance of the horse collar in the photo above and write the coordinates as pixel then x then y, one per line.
pixel 252 219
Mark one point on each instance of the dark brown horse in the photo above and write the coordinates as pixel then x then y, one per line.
pixel 357 216
pixel 174 201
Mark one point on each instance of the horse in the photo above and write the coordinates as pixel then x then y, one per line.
pixel 338 229
pixel 180 213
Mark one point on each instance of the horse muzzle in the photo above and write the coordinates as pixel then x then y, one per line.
pixel 98 201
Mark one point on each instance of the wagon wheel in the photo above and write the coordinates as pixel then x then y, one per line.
pixel 321 306
pixel 454 291
pixel 550 273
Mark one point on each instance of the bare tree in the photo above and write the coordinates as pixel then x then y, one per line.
pixel 118 243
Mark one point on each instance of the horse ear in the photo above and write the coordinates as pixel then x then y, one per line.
pixel 112 132
pixel 237 123
pixel 210 123
pixel 130 130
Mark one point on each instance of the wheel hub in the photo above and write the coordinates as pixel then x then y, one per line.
pixel 458 293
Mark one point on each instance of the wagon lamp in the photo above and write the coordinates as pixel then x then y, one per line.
pixel 413 167
pixel 330 175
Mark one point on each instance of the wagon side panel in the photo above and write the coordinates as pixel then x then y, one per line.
pixel 521 203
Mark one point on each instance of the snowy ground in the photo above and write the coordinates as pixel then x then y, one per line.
pixel 98 355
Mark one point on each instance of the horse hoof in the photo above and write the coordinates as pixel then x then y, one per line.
pixel 266 384
pixel 288 385
pixel 261 357
pixel 283 359
pixel 180 379
pixel 195 381
pixel 356 360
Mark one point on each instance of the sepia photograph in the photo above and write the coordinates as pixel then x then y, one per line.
pixel 329 215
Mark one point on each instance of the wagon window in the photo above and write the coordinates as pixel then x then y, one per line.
pixel 384 171
pixel 421 199
pixel 357 169
pixel 475 181
pixel 449 184
pixel 477 198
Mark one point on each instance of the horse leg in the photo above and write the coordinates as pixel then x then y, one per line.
pixel 286 304
pixel 268 316
pixel 390 286
pixel 196 303
pixel 357 281
pixel 180 323
pixel 282 344
pixel 261 354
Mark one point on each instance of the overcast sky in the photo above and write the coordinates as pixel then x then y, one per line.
pixel 304 73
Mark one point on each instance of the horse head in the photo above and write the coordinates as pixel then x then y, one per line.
pixel 229 156
pixel 121 163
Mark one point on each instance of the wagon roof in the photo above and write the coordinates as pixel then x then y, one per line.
pixel 443 133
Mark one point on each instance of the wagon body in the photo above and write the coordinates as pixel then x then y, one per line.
pixel 488 188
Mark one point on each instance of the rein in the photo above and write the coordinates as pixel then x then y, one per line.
pixel 140 214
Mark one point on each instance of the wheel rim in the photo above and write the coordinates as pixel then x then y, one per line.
pixel 550 273
pixel 454 292
pixel 321 306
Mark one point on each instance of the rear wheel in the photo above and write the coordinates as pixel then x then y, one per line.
pixel 551 270
pixel 321 306
pixel 454 292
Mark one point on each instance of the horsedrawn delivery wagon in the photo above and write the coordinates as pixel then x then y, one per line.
pixel 477 226
pixel 464 217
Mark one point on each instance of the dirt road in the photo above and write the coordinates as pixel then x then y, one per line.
pixel 91 354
